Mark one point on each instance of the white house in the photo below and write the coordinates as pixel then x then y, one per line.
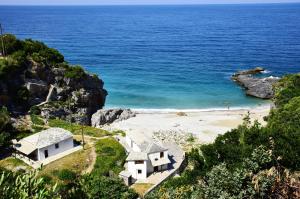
pixel 145 157
pixel 45 144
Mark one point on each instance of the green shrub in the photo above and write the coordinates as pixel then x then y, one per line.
pixel 287 88
pixel 25 185
pixel 66 175
pixel 4 124
pixel 35 110
pixel 37 129
pixel 37 120
pixel 22 95
pixel 47 179
pixel 74 72
pixel 30 46
pixel 8 67
pixel 105 187
pixel 110 157
pixel 11 44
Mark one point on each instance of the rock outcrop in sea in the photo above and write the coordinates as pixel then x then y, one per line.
pixel 108 116
pixel 255 86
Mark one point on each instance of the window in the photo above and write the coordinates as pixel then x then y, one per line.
pixel 139 171
pixel 161 154
pixel 56 146
pixel 139 162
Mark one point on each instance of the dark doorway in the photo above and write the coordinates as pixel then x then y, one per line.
pixel 156 169
pixel 46 153
pixel 129 180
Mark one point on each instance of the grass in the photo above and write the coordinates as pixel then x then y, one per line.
pixel 141 188
pixel 110 156
pixel 76 162
pixel 76 128
pixel 36 120
pixel 11 163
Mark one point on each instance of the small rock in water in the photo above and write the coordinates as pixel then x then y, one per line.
pixel 256 87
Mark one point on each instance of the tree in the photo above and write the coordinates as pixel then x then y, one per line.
pixel 105 187
pixel 11 44
pixel 4 123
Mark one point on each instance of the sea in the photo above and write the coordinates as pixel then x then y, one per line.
pixel 167 57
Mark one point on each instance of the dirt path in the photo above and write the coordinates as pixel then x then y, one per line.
pixel 90 140
pixel 92 157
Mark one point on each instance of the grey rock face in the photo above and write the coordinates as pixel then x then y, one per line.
pixel 108 116
pixel 256 87
pixel 55 94
pixel 37 90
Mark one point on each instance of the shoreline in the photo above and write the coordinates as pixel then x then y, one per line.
pixel 265 105
pixel 169 110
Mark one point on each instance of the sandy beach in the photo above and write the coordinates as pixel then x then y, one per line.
pixel 204 125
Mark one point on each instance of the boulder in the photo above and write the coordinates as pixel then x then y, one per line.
pixel 108 116
pixel 36 88
pixel 254 86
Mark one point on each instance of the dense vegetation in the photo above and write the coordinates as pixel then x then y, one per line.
pixel 19 55
pixel 250 161
pixel 6 130
pixel 29 185
pixel 110 157
pixel 21 58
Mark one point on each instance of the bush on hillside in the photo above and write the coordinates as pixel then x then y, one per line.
pixel 287 88
pixel 66 175
pixel 11 44
pixel 74 72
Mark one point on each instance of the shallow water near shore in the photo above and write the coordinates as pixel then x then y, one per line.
pixel 168 57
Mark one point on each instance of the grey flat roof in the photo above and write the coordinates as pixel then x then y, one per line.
pixel 160 161
pixel 137 156
pixel 125 174
pixel 42 139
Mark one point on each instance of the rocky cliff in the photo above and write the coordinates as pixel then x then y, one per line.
pixel 35 77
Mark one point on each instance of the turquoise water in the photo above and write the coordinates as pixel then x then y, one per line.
pixel 177 57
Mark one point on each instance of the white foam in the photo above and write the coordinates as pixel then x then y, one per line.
pixel 266 71
pixel 169 110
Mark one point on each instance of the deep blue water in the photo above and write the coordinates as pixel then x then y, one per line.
pixel 167 56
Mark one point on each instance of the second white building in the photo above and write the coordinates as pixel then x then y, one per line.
pixel 145 156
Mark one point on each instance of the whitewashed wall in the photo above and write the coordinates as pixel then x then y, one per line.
pixel 152 156
pixel 133 169
pixel 132 144
pixel 63 146
pixel 157 155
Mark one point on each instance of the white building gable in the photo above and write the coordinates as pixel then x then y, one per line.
pixel 145 156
